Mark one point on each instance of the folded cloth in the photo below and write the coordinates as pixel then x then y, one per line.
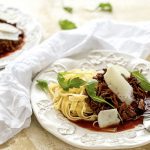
pixel 16 79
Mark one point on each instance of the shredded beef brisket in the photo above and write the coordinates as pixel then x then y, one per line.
pixel 127 112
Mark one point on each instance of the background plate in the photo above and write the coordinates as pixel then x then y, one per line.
pixel 31 28
pixel 54 122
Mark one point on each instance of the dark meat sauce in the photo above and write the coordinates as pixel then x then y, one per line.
pixel 9 46
pixel 127 112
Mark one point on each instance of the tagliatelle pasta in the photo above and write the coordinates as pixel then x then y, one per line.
pixel 72 102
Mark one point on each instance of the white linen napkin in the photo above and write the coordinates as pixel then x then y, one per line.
pixel 16 79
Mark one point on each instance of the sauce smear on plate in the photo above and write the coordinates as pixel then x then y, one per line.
pixel 117 128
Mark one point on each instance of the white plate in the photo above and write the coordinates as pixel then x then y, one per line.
pixel 31 28
pixel 54 122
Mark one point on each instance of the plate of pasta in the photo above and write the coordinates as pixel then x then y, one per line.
pixel 18 32
pixel 96 102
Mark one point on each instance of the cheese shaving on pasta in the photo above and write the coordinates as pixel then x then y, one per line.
pixel 72 102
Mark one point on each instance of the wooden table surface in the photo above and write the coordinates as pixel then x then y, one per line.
pixel 48 13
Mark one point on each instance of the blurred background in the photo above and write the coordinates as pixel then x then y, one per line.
pixel 49 12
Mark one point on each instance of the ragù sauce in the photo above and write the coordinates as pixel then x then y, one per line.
pixel 7 53
pixel 117 128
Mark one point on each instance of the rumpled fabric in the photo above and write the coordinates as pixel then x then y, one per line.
pixel 16 79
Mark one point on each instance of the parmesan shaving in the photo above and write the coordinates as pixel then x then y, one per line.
pixel 9 32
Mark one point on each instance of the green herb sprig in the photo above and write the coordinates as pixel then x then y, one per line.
pixel 43 85
pixel 107 7
pixel 71 83
pixel 90 89
pixel 144 83
pixel 67 25
pixel 68 9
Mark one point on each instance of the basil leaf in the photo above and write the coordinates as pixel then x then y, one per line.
pixel 62 82
pixel 76 82
pixel 144 83
pixel 107 7
pixel 71 83
pixel 67 25
pixel 91 91
pixel 91 88
pixel 43 85
pixel 68 9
